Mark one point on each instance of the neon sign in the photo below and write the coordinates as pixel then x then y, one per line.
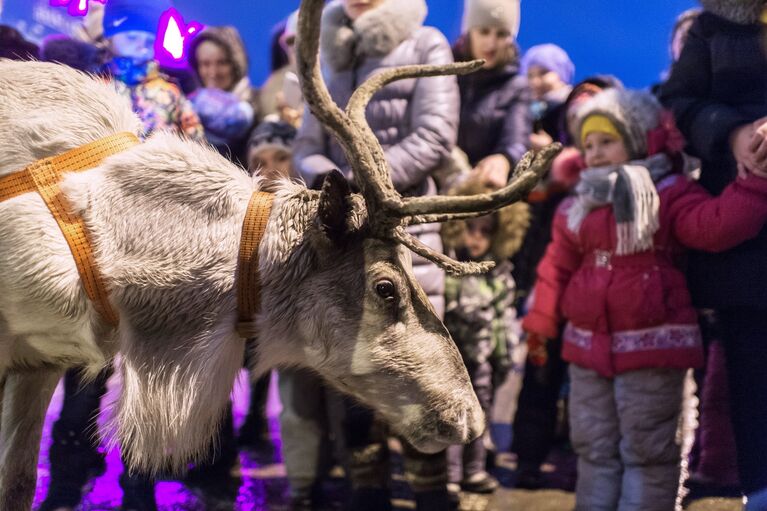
pixel 173 38
pixel 75 7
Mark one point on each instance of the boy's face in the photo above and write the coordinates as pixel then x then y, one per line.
pixel 479 235
pixel 135 44
pixel 273 162
pixel 602 149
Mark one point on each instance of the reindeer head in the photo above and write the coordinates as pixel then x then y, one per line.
pixel 373 332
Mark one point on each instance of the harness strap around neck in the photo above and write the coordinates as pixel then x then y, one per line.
pixel 249 280
pixel 44 176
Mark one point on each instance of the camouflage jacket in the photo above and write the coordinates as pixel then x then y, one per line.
pixel 480 316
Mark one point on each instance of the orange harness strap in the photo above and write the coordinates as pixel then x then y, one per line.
pixel 44 176
pixel 249 280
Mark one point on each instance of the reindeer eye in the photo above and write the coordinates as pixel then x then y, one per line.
pixel 385 289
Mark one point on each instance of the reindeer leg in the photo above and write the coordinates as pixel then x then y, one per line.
pixel 25 400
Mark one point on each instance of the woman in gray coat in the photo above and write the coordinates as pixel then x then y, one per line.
pixel 416 122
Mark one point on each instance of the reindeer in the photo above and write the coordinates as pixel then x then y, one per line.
pixel 165 218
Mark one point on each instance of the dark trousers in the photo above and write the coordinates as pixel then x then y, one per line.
pixel 536 418
pixel 467 460
pixel 73 455
pixel 745 340
pixel 369 469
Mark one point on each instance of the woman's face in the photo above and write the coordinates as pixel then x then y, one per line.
pixel 356 8
pixel 542 81
pixel 488 43
pixel 214 67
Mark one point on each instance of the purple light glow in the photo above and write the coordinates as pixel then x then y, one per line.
pixel 75 7
pixel 173 38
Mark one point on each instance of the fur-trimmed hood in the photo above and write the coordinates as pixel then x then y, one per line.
pixel 374 34
pixel 513 222
pixel 229 38
pixel 745 12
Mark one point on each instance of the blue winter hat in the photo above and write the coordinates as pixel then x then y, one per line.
pixel 551 57
pixel 127 15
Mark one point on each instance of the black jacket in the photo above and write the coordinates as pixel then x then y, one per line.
pixel 495 114
pixel 718 84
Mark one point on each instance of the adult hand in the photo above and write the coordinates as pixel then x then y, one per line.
pixel 758 145
pixel 741 140
pixel 494 170
pixel 536 349
pixel 540 140
pixel 287 113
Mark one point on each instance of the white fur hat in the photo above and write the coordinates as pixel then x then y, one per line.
pixel 491 13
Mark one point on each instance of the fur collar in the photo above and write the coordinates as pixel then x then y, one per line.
pixel 374 34
pixel 513 222
pixel 745 12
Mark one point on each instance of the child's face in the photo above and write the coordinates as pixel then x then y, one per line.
pixel 273 162
pixel 479 235
pixel 601 149
pixel 135 44
pixel 542 81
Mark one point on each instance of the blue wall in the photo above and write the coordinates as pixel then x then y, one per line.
pixel 628 39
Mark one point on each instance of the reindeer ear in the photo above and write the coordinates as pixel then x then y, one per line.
pixel 335 206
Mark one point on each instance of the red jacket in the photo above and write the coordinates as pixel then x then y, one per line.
pixel 634 311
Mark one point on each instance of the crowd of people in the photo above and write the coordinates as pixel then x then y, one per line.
pixel 637 260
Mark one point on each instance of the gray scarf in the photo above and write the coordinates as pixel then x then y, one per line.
pixel 630 189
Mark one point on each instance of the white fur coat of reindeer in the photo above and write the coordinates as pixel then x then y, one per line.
pixel 165 218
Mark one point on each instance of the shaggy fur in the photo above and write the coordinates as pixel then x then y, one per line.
pixel 165 219
pixel 746 12
pixel 375 33
pixel 513 222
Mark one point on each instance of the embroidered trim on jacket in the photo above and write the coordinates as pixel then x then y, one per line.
pixel 664 337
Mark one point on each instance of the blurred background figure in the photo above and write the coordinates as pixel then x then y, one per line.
pixel 270 150
pixel 550 73
pixel 227 104
pixel 281 97
pixel 13 45
pixel 494 125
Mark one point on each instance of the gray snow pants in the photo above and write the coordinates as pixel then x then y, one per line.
pixel 624 432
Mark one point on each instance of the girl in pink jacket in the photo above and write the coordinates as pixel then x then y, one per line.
pixel 614 273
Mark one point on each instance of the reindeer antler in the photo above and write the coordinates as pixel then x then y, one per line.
pixel 388 211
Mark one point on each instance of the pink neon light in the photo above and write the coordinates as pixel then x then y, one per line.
pixel 75 7
pixel 173 38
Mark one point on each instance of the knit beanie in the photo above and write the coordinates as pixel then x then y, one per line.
pixel 272 134
pixel 491 13
pixel 129 15
pixel 551 57
pixel 632 114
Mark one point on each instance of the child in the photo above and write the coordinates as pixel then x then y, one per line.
pixel 269 150
pixel 613 272
pixel 130 28
pixel 479 315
